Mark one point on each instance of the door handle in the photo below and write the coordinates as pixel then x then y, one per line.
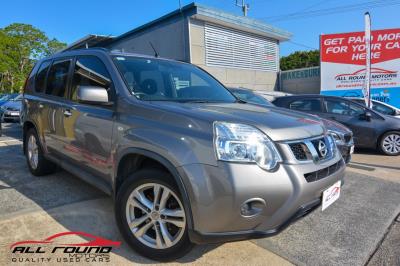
pixel 67 113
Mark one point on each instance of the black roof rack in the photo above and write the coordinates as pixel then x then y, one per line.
pixel 88 41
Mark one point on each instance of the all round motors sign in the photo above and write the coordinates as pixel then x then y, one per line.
pixel 343 58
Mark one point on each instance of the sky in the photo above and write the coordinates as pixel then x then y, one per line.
pixel 70 20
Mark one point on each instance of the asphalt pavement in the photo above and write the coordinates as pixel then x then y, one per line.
pixel 360 228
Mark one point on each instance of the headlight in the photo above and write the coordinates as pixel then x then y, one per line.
pixel 336 137
pixel 244 143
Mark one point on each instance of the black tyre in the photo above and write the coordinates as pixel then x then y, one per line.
pixel 389 143
pixel 37 163
pixel 150 215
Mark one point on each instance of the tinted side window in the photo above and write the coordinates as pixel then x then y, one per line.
pixel 382 109
pixel 337 107
pixel 40 81
pixel 343 108
pixel 89 71
pixel 356 110
pixel 306 105
pixel 57 78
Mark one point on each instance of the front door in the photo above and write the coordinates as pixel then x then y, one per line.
pixel 89 127
pixel 351 115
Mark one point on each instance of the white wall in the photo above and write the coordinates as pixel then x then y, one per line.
pixel 167 38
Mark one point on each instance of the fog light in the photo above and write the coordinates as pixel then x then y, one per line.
pixel 252 207
pixel 245 209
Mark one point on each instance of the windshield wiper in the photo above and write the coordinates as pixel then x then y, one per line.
pixel 239 101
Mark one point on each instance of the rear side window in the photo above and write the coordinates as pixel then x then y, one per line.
pixel 40 81
pixel 89 71
pixel 313 105
pixel 57 78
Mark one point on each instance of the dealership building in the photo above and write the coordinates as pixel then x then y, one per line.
pixel 237 50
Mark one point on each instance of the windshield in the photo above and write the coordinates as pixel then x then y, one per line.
pixel 8 97
pixel 163 80
pixel 381 108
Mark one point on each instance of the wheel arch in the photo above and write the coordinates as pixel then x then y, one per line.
pixel 132 153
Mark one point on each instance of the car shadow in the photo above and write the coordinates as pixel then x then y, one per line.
pixel 72 203
pixel 364 151
pixel 367 151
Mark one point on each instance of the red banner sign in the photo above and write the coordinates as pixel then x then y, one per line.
pixel 349 48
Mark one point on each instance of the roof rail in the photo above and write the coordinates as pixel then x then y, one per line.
pixel 88 41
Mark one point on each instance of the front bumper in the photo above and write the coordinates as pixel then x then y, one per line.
pixel 208 238
pixel 217 194
pixel 345 150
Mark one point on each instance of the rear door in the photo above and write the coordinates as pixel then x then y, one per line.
pixel 53 105
pixel 35 97
pixel 88 127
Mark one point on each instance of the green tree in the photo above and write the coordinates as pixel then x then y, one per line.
pixel 300 59
pixel 21 45
pixel 54 46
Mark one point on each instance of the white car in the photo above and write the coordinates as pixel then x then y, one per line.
pixel 381 107
pixel 271 95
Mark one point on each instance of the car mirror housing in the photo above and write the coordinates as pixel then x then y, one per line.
pixel 92 95
pixel 366 116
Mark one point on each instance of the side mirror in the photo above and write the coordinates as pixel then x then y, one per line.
pixel 92 95
pixel 367 116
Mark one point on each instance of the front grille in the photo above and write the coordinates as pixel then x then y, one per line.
pixel 347 137
pixel 298 150
pixel 310 150
pixel 322 173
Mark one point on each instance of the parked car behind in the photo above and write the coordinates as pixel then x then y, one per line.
pixel 7 97
pixel 10 111
pixel 370 128
pixel 185 160
pixel 380 107
pixel 343 136
pixel 271 95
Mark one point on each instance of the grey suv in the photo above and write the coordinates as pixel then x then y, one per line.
pixel 185 161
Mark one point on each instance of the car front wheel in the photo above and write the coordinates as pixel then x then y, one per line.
pixel 390 143
pixel 151 216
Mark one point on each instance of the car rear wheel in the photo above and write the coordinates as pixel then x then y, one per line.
pixel 151 216
pixel 390 143
pixel 37 163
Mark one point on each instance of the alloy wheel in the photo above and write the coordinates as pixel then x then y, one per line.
pixel 155 216
pixel 33 152
pixel 391 144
